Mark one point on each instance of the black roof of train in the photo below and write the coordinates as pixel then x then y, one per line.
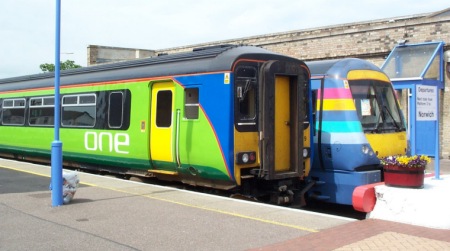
pixel 339 67
pixel 207 59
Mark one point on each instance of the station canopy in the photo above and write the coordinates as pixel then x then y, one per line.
pixel 421 62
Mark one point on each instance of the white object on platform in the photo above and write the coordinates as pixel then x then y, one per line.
pixel 70 185
pixel 428 207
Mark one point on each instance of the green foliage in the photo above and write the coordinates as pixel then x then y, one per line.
pixel 68 64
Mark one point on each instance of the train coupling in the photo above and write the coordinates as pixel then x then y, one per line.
pixel 286 197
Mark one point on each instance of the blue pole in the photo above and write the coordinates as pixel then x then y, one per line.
pixel 56 160
pixel 437 168
pixel 413 120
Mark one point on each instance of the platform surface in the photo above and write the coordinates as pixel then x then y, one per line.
pixel 114 214
pixel 428 206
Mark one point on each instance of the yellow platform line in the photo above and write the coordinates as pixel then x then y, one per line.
pixel 180 203
pixel 25 171
pixel 215 210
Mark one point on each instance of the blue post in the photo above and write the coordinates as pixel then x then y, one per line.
pixel 413 120
pixel 56 161
pixel 437 168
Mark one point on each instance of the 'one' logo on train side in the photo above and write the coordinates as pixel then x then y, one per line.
pixel 107 142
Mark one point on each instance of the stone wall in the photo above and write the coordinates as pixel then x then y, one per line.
pixel 104 54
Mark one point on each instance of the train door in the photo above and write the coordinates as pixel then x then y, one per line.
pixel 282 124
pixel 162 124
pixel 283 89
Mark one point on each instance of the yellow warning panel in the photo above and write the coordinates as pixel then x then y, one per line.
pixel 226 78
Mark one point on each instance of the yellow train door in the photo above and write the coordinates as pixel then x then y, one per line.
pixel 162 127
pixel 282 89
pixel 282 124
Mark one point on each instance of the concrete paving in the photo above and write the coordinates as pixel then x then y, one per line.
pixel 112 214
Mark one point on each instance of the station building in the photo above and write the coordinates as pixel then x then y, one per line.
pixel 370 40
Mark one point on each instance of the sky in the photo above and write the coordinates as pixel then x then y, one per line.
pixel 27 27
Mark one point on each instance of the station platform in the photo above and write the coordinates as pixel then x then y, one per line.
pixel 113 214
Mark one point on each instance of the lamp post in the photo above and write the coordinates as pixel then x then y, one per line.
pixel 56 159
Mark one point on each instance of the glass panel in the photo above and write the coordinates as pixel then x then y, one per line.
pixel 13 116
pixel 87 99
pixel 164 109
pixel 13 112
pixel 409 61
pixel 191 103
pixel 246 72
pixel 8 103
pixel 42 116
pixel 70 100
pixel 247 100
pixel 78 116
pixel 49 101
pixel 376 106
pixel 36 102
pixel 434 72
pixel 19 103
pixel 115 110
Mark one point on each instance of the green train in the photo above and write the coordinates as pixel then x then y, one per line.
pixel 226 117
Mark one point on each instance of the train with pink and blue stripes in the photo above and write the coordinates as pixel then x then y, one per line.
pixel 357 120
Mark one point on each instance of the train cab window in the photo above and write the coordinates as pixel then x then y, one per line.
pixel 13 111
pixel 246 99
pixel 115 110
pixel 164 109
pixel 42 111
pixel 376 105
pixel 79 110
pixel 191 103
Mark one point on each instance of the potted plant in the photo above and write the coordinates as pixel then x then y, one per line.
pixel 404 171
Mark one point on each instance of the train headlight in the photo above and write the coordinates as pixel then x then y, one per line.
pixel 246 157
pixel 306 152
pixel 365 149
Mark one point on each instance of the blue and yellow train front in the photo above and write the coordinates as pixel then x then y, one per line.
pixel 358 120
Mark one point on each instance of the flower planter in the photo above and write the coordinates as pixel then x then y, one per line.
pixel 398 176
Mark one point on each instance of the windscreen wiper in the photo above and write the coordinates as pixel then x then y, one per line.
pixel 390 115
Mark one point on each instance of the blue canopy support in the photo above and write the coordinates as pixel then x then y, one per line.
pixel 419 68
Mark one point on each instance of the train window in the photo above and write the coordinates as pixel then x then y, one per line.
pixel 41 111
pixel 79 110
pixel 70 100
pixel 115 110
pixel 246 95
pixel 246 72
pixel 13 112
pixel 246 98
pixel 8 103
pixel 49 101
pixel 87 99
pixel 191 103
pixel 376 105
pixel 164 109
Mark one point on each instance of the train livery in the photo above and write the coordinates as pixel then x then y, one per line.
pixel 226 117
pixel 357 121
